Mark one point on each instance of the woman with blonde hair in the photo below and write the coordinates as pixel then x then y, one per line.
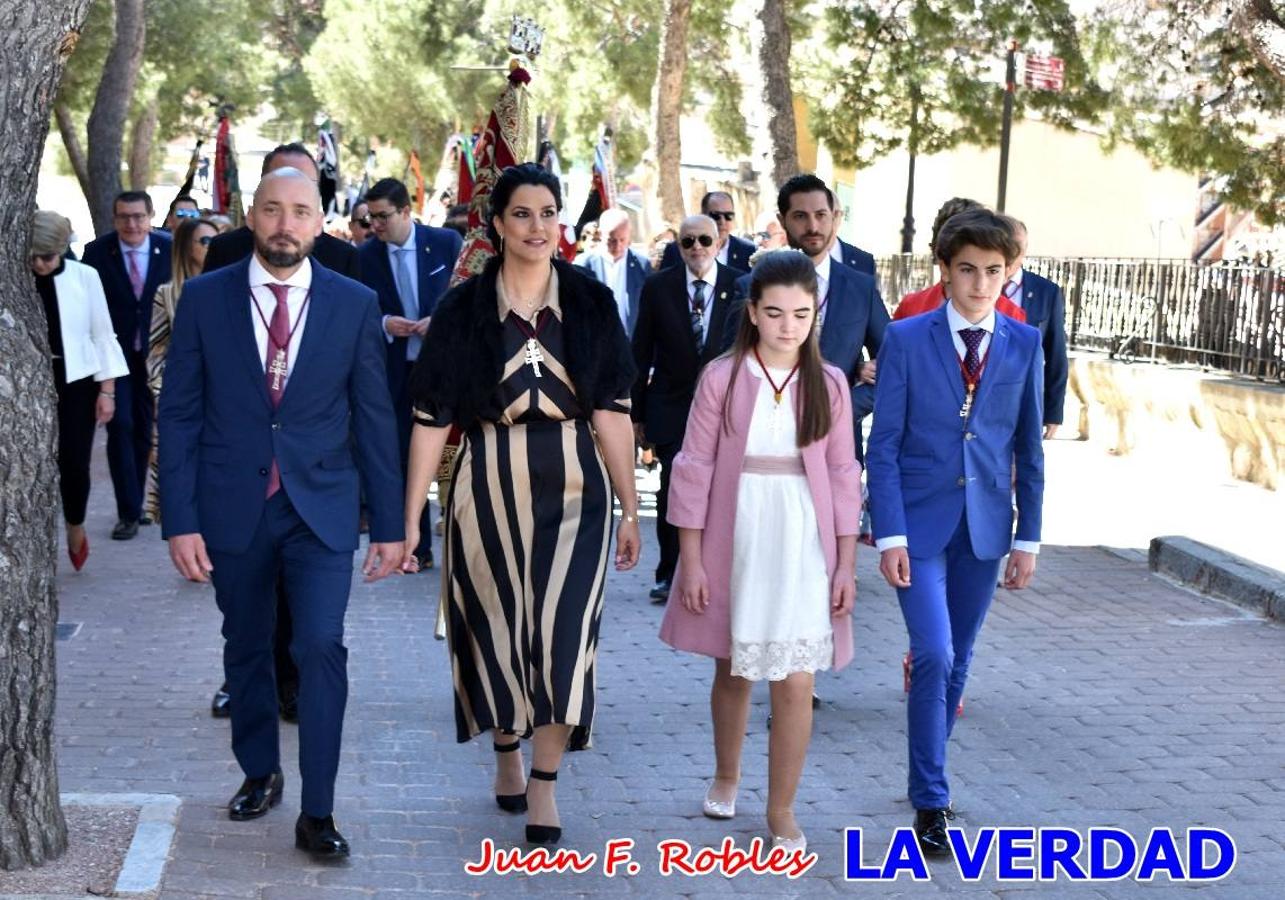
pixel 86 360
pixel 191 242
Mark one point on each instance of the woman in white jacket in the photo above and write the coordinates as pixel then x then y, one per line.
pixel 86 361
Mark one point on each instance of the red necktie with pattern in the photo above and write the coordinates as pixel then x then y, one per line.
pixel 278 354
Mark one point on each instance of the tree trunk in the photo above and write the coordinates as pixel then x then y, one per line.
pixel 141 141
pixel 71 143
pixel 666 108
pixel 38 37
pixel 106 129
pixel 1263 22
pixel 776 152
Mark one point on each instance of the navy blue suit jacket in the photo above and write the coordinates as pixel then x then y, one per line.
pixel 436 250
pixel 857 258
pixel 128 313
pixel 1045 308
pixel 926 467
pixel 855 317
pixel 219 433
pixel 636 273
pixel 739 252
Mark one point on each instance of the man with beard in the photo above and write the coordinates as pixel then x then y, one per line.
pixel 256 483
pixel 851 313
pixel 733 252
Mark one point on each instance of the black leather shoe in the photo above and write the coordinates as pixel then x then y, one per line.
pixel 660 593
pixel 256 796
pixel 124 531
pixel 319 837
pixel 144 519
pixel 221 705
pixel 930 828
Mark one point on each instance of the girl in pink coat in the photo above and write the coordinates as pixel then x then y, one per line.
pixel 766 495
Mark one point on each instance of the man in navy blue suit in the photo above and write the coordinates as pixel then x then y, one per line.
pixel 275 378
pixel 958 411
pixel 1045 307
pixel 619 266
pixel 733 252
pixel 852 315
pixel 132 261
pixel 409 267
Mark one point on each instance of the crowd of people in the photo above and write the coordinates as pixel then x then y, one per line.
pixel 290 388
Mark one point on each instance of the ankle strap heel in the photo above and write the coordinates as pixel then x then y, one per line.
pixel 543 834
pixel 512 803
pixel 541 775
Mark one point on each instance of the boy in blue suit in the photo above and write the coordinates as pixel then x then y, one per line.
pixel 958 410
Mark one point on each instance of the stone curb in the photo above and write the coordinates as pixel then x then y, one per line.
pixel 1219 574
pixel 153 835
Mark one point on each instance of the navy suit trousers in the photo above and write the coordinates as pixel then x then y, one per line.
pixel 316 580
pixel 129 437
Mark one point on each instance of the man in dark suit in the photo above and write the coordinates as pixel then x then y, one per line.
pixel 1045 307
pixel 274 381
pixel 132 261
pixel 409 267
pixel 681 318
pixel 336 255
pixel 618 266
pixel 852 314
pixel 733 252
pixel 853 257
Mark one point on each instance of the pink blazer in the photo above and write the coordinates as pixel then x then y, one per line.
pixel 703 489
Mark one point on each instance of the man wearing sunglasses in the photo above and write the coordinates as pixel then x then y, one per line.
pixel 132 262
pixel 359 223
pixel 733 252
pixel 183 207
pixel 681 318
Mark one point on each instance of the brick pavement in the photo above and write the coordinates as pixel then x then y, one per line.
pixel 1101 696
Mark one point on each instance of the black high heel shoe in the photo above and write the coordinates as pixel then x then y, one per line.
pixel 543 834
pixel 514 803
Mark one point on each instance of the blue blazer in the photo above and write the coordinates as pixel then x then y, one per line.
pixel 639 267
pixel 857 258
pixel 219 432
pixel 1045 307
pixel 925 468
pixel 739 252
pixel 129 313
pixel 855 317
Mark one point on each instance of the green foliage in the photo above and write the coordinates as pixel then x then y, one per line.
pixel 933 61
pixel 1189 91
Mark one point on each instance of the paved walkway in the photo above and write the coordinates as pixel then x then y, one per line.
pixel 1101 696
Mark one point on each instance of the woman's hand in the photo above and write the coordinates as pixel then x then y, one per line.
pixel 410 565
pixel 843 593
pixel 693 589
pixel 628 545
pixel 104 408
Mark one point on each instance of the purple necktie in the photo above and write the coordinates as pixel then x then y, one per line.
pixel 277 355
pixel 972 359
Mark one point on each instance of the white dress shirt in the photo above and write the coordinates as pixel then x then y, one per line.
pixel 617 272
pixel 958 323
pixel 709 278
pixel 300 285
pixel 721 256
pixel 823 289
pixel 1016 296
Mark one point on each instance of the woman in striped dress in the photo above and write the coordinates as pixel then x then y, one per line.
pixel 530 361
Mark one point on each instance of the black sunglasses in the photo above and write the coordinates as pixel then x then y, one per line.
pixel 204 240
pixel 725 216
pixel 364 221
pixel 689 241
pixel 45 257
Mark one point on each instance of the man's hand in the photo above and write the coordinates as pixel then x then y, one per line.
pixel 421 327
pixel 867 373
pixel 1049 431
pixel 400 326
pixel 382 559
pixel 189 556
pixel 1021 566
pixel 894 566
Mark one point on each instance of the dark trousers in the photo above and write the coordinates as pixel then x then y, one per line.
pixel 666 534
pixel 76 424
pixel 316 580
pixel 405 411
pixel 129 437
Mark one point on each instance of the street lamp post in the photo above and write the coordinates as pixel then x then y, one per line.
pixel 1006 132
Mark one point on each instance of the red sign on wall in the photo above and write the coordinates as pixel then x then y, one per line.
pixel 1044 73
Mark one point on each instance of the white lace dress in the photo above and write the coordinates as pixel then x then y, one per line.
pixel 780 589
